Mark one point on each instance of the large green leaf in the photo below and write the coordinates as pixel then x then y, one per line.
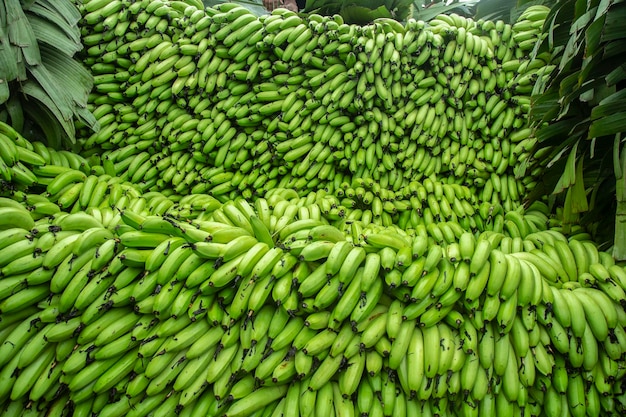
pixel 312 5
pixel 5 91
pixel 617 165
pixel 77 80
pixel 64 9
pixel 590 64
pixel 8 60
pixel 557 26
pixel 572 49
pixel 497 10
pixel 614 27
pixel 616 75
pixel 568 177
pixel 615 48
pixel 43 123
pixel 608 125
pixel 581 6
pixel 362 15
pixel 543 108
pixel 34 91
pixel 615 103
pixel 581 23
pixel 38 39
pixel 553 133
pixel 53 35
pixel 603 7
pixel 435 9
pixel 57 94
pixel 570 89
pixel 14 108
pixel 20 32
pixel 593 36
pixel 70 29
pixel 369 4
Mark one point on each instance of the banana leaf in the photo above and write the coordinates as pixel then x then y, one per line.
pixel 20 32
pixel 609 125
pixel 435 9
pixel 617 75
pixel 58 95
pixel 322 7
pixel 41 123
pixel 35 92
pixel 53 35
pixel 5 91
pixel 362 15
pixel 361 12
pixel 614 103
pixel 581 109
pixel 614 27
pixel 39 76
pixel 8 61
pixel 16 113
pixel 497 10
pixel 65 10
pixel 69 28
pixel 21 64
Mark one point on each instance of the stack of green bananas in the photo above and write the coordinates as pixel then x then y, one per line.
pixel 74 183
pixel 309 102
pixel 272 306
pixel 418 204
pixel 398 277
pixel 25 165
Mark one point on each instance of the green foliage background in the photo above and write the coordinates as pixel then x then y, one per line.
pixel 43 89
pixel 580 117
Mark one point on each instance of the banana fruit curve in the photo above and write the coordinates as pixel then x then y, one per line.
pixel 178 92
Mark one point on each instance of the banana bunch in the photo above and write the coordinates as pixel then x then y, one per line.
pixel 443 210
pixel 300 239
pixel 222 102
pixel 529 25
pixel 265 300
pixel 64 182
pixel 255 230
pixel 29 165
pixel 427 203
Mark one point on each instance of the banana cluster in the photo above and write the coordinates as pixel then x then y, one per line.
pixel 275 305
pixel 256 231
pixel 64 181
pixel 24 164
pixel 309 102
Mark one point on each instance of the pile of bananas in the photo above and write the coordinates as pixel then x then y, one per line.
pixel 293 216
pixel 115 301
pixel 226 103
pixel 73 183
